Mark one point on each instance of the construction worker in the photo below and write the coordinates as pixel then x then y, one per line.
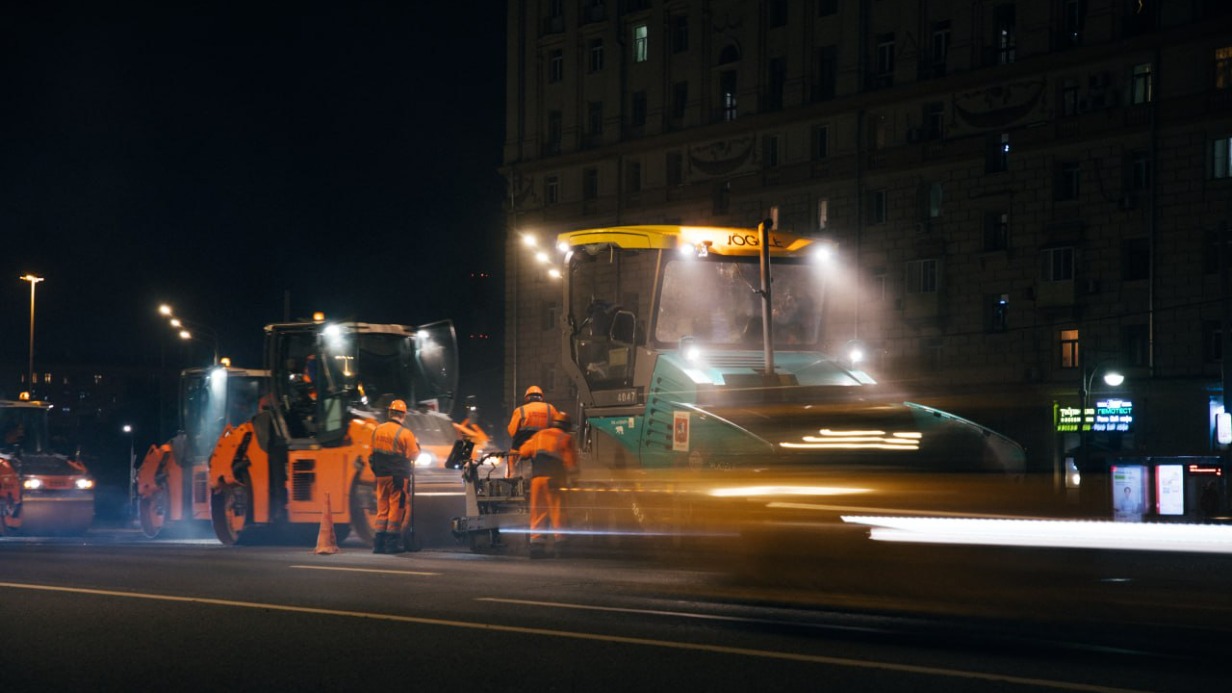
pixel 393 449
pixel 534 415
pixel 553 461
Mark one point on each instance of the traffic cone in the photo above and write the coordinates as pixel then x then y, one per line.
pixel 326 541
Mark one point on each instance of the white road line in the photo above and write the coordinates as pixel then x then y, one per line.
pixel 657 612
pixel 647 642
pixel 362 570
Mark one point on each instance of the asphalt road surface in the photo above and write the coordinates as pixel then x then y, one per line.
pixel 116 611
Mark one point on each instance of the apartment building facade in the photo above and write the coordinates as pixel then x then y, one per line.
pixel 1023 195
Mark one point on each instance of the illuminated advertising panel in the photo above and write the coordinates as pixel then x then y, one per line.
pixel 1108 415
pixel 1170 489
pixel 1128 493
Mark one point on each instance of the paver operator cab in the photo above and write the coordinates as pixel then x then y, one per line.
pixel 330 384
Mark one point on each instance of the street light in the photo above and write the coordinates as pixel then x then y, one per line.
pixel 1112 378
pixel 182 328
pixel 33 282
pixel 132 471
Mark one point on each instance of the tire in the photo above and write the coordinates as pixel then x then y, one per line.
pixel 229 512
pixel 152 512
pixel 363 509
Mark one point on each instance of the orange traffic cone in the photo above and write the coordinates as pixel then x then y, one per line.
pixel 326 541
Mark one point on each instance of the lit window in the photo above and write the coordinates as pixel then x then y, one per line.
pixel 1223 67
pixel 823 213
pixel 641 43
pixel 1069 348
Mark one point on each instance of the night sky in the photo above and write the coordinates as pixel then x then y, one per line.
pixel 217 156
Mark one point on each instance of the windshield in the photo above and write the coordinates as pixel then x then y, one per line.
pixel 375 366
pixel 24 429
pixel 715 302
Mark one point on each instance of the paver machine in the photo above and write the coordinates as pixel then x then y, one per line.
pixel 330 385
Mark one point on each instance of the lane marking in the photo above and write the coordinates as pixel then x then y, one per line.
pixel 595 637
pixel 363 570
pixel 681 614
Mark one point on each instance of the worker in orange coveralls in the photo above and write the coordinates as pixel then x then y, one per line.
pixel 553 460
pixel 534 415
pixel 393 449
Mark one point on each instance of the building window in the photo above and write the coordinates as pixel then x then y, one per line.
pixel 1069 97
pixel 776 13
pixel 633 177
pixel 679 33
pixel 998 312
pixel 1069 348
pixel 827 73
pixel 941 44
pixel 922 277
pixel 827 8
pixel 727 94
pixel 877 206
pixel 823 213
pixel 1140 88
pixel 770 151
pixel 596 55
pixel 1071 22
pixel 1223 67
pixel 1069 181
pixel 885 60
pixel 821 142
pixel 934 201
pixel 1136 259
pixel 641 43
pixel 1212 341
pixel 1057 264
pixel 680 99
pixel 551 190
pixel 1220 156
pixel 594 117
pixel 1139 171
pixel 998 157
pixel 722 198
pixel 1005 34
pixel 776 82
pixel 556 66
pixel 996 230
pixel 639 109
pixel 934 120
pixel 1135 345
pixel 675 168
pixel 555 132
pixel 590 183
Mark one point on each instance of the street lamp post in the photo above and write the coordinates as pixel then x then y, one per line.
pixel 132 472
pixel 1112 378
pixel 33 282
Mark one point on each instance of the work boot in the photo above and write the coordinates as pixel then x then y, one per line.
pixel 393 543
pixel 378 543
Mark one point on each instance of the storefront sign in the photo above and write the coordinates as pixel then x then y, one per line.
pixel 1108 415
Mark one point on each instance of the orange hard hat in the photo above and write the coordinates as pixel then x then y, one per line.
pixel 398 406
pixel 562 421
pixel 533 391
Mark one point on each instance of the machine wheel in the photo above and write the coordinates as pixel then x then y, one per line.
pixel 152 511
pixel 363 509
pixel 229 512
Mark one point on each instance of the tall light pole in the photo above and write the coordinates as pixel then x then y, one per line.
pixel 1112 378
pixel 132 471
pixel 33 283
